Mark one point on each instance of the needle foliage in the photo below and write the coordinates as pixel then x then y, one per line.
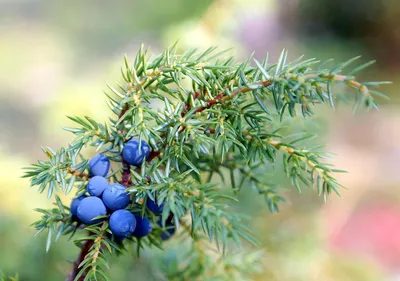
pixel 204 115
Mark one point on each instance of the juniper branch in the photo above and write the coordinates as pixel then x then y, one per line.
pixel 325 180
pixel 201 114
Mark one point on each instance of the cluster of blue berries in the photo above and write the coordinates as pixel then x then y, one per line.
pixel 105 200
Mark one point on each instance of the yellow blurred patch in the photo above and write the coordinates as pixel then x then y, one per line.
pixel 17 198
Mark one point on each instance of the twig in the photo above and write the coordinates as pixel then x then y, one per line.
pixel 126 168
pixel 342 78
pixel 78 174
pixel 126 173
pixel 82 254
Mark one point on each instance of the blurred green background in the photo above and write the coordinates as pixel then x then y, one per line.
pixel 55 58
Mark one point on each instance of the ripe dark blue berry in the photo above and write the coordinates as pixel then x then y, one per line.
pixel 115 197
pixel 99 165
pixel 96 186
pixel 119 239
pixel 168 233
pixel 122 223
pixel 132 154
pixel 169 230
pixel 154 207
pixel 143 227
pixel 89 208
pixel 75 204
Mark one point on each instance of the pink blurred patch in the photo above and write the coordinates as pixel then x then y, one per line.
pixel 374 232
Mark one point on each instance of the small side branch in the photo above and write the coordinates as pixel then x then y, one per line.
pixel 325 180
pixel 82 254
pixel 298 153
pixel 342 78
pixel 78 174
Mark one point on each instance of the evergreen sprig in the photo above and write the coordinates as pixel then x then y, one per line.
pixel 60 170
pixel 57 221
pixel 203 114
pixel 203 203
pixel 200 262
pixel 92 264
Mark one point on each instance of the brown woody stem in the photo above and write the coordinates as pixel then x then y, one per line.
pixel 82 254
pixel 78 174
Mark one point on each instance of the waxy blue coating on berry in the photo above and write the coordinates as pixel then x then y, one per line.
pixel 99 165
pixel 143 227
pixel 89 208
pixel 154 207
pixel 75 204
pixel 133 155
pixel 115 197
pixel 96 186
pixel 122 223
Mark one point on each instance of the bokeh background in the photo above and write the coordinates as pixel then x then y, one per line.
pixel 55 58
